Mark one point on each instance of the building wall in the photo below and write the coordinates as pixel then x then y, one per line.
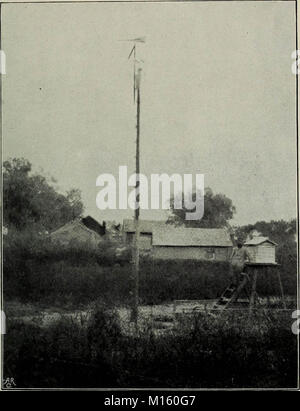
pixel 263 253
pixel 145 240
pixel 192 253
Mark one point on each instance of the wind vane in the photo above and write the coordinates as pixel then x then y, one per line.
pixel 136 73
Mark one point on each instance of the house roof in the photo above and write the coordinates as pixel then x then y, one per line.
pixel 87 223
pixel 93 225
pixel 193 237
pixel 259 240
pixel 145 226
pixel 73 223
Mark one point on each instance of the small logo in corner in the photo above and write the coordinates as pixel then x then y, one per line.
pixel 9 383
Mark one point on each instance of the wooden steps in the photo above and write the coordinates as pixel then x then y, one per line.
pixel 231 294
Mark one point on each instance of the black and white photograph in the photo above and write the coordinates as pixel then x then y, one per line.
pixel 149 198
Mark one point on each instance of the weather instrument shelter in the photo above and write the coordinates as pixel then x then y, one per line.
pixel 261 250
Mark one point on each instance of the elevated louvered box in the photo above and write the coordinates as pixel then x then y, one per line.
pixel 261 250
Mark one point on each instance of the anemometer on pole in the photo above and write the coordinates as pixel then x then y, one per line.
pixel 137 73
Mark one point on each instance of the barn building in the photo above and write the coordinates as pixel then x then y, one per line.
pixel 191 243
pixel 146 232
pixel 164 241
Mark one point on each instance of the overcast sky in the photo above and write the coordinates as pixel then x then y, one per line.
pixel 218 97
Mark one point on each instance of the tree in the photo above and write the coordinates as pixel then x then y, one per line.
pixel 218 210
pixel 280 231
pixel 30 200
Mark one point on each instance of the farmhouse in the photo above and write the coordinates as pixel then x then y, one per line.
pixel 164 241
pixel 83 230
pixel 261 250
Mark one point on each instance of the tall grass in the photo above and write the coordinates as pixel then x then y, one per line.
pixel 203 352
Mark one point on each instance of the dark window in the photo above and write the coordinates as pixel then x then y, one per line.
pixel 210 253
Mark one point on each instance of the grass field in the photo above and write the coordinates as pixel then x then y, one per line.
pixel 99 350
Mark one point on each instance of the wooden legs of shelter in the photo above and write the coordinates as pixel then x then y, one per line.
pixel 281 289
pixel 247 284
pixel 253 295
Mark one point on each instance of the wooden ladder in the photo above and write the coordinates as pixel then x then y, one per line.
pixel 231 293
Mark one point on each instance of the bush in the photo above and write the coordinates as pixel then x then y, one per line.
pixel 163 281
pixel 39 271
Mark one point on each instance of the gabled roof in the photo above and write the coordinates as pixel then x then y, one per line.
pixel 193 237
pixel 87 223
pixel 145 226
pixel 93 225
pixel 259 240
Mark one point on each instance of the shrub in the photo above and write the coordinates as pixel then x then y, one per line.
pixel 39 271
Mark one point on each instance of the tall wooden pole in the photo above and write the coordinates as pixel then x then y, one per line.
pixel 136 249
pixel 137 209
